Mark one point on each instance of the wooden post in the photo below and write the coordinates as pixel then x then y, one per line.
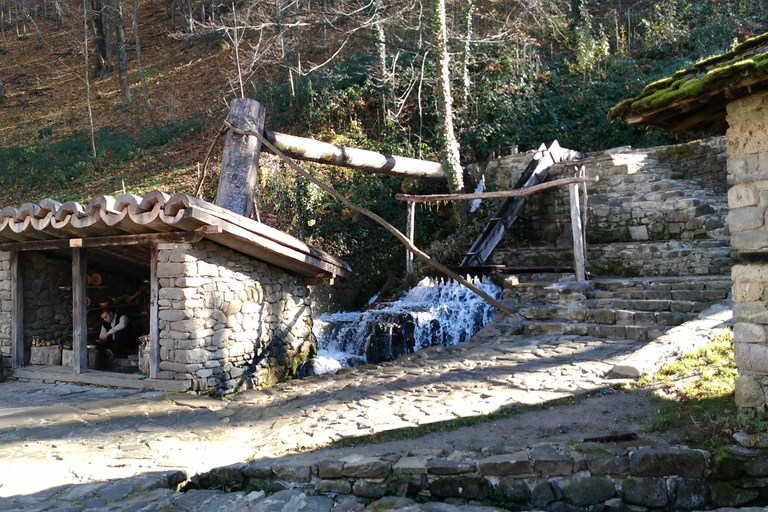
pixel 410 231
pixel 576 232
pixel 17 314
pixel 240 159
pixel 154 308
pixel 79 311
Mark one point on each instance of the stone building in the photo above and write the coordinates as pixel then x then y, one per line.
pixel 222 300
pixel 729 94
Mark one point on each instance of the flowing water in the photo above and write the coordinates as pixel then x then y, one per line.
pixel 434 312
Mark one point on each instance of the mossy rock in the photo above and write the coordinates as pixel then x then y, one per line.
pixel 726 467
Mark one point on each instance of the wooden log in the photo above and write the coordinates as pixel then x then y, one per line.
pixel 154 313
pixel 17 314
pixel 410 232
pixel 577 233
pixel 240 159
pixel 312 150
pixel 433 198
pixel 79 311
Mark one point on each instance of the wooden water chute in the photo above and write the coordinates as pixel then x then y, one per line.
pixel 535 174
pixel 492 233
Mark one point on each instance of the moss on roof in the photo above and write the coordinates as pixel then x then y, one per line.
pixel 748 61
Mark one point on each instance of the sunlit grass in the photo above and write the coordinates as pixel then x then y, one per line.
pixel 696 395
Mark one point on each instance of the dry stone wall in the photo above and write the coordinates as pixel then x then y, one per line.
pixel 748 199
pixel 6 306
pixel 632 475
pixel 671 193
pixel 227 320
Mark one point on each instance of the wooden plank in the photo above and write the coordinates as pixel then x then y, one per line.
pixel 110 241
pixel 248 242
pixel 79 311
pixel 240 160
pixel 17 312
pixel 494 195
pixel 410 232
pixel 154 314
pixel 577 233
pixel 368 161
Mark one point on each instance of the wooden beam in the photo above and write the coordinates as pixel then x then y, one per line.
pixel 577 233
pixel 17 312
pixel 111 241
pixel 79 311
pixel 240 159
pixel 410 232
pixel 494 195
pixel 369 161
pixel 154 314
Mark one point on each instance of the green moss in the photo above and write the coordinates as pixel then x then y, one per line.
pixel 727 467
pixel 721 71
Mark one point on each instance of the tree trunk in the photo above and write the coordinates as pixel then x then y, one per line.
pixel 147 103
pixel 100 42
pixel 450 147
pixel 467 10
pixel 38 38
pixel 2 90
pixel 116 19
pixel 87 78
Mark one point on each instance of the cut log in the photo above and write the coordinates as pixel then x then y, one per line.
pixel 312 150
pixel 240 159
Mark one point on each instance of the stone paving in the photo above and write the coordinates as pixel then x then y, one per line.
pixel 62 445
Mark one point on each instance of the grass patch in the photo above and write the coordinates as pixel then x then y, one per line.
pixel 696 395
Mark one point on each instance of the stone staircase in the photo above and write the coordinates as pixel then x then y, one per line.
pixel 617 308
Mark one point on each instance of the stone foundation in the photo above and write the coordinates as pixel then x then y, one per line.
pixel 748 200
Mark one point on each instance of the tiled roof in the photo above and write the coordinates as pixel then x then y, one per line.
pixel 157 212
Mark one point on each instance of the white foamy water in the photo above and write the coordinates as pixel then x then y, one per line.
pixel 434 312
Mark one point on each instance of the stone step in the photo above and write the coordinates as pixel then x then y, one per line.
pixel 627 332
pixel 693 293
pixel 608 316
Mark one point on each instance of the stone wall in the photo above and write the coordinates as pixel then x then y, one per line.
pixel 47 307
pixel 665 193
pixel 629 259
pixel 6 306
pixel 748 199
pixel 227 320
pixel 632 475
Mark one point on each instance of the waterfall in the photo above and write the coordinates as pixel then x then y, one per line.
pixel 434 312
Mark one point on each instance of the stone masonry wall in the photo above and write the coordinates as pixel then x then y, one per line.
pixel 6 306
pixel 665 193
pixel 748 199
pixel 632 476
pixel 47 307
pixel 228 321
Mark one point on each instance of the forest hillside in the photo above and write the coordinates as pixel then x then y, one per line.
pixel 106 96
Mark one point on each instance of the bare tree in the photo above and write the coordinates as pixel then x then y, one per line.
pixel 147 103
pixel 87 79
pixel 115 16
